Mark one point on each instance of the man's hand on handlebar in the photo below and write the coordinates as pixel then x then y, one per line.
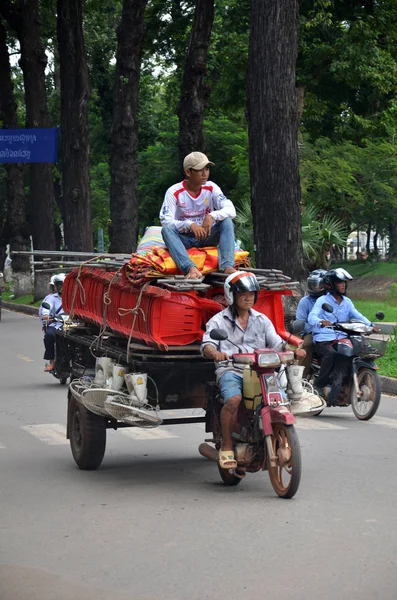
pixel 325 323
pixel 300 353
pixel 376 329
pixel 220 356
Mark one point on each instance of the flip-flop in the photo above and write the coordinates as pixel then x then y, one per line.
pixel 227 460
pixel 49 368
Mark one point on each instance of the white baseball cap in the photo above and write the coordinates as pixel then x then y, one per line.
pixel 197 161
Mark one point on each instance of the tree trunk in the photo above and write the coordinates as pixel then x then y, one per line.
pixel 195 92
pixel 17 228
pixel 376 249
pixel 124 134
pixel 368 241
pixel 392 254
pixel 273 130
pixel 75 93
pixel 24 18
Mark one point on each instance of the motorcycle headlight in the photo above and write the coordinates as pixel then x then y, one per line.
pixel 268 359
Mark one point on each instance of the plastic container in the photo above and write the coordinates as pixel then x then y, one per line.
pixel 252 391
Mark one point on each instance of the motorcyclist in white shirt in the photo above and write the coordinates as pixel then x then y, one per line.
pixel 47 316
pixel 247 329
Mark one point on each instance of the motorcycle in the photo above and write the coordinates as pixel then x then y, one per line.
pixel 62 362
pixel 361 386
pixel 264 437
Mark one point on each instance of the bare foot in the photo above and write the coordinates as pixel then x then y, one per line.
pixel 230 270
pixel 193 273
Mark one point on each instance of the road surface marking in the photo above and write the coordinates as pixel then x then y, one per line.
pixel 52 434
pixel 25 358
pixel 136 433
pixel 385 421
pixel 315 424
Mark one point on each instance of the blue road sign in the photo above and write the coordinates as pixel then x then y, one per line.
pixel 28 145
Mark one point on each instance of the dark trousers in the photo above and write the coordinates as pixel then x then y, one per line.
pixel 328 356
pixel 49 343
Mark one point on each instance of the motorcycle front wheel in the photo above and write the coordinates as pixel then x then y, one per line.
pixel 367 403
pixel 285 475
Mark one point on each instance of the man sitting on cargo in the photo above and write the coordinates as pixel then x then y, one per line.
pixel 196 214
pixel 247 329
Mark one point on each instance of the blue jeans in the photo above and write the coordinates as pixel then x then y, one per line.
pixel 222 233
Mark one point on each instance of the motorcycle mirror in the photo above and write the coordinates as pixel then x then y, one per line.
pixel 46 305
pixel 327 307
pixel 218 334
pixel 380 316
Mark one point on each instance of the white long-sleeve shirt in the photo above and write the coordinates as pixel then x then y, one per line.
pixel 182 209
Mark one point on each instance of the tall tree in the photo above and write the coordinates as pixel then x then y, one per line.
pixel 75 93
pixel 23 17
pixel 124 134
pixel 16 229
pixel 195 92
pixel 273 129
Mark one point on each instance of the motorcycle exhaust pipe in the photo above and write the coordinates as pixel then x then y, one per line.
pixel 208 452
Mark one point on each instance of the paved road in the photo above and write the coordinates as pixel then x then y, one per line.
pixel 155 523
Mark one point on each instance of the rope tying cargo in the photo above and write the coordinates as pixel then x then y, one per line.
pixel 78 283
pixel 134 311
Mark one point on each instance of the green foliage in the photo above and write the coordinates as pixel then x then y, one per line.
pixel 359 269
pixel 369 308
pixel 388 363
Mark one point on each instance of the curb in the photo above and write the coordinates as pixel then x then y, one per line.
pixel 21 308
pixel 389 385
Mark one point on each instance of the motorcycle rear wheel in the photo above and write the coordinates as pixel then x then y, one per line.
pixel 366 405
pixel 285 476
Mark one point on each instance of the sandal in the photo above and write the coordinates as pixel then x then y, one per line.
pixel 227 460
pixel 49 368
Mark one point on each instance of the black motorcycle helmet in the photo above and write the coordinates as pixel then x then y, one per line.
pixel 334 276
pixel 315 283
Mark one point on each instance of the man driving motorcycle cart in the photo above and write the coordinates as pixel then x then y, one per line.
pixel 323 336
pixel 247 329
pixel 55 301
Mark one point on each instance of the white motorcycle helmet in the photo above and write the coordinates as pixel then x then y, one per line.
pixel 58 282
pixel 51 285
pixel 239 282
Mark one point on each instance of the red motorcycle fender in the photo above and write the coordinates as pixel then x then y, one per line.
pixel 280 414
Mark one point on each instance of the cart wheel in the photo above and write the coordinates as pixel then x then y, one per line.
pixel 285 475
pixel 228 478
pixel 87 437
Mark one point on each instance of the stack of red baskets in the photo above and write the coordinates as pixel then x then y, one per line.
pixel 156 316
pixel 151 314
